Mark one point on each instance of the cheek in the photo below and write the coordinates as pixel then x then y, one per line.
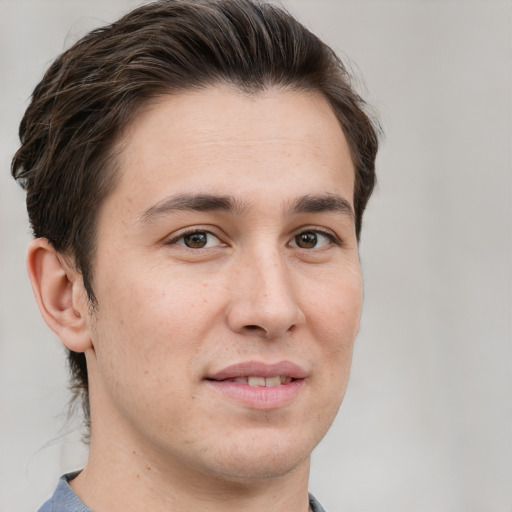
pixel 335 326
pixel 334 315
pixel 149 321
pixel 145 345
pixel 336 307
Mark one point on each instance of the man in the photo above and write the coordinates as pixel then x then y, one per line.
pixel 196 175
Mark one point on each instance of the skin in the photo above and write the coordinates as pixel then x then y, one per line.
pixel 169 315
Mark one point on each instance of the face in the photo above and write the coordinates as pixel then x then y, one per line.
pixel 228 283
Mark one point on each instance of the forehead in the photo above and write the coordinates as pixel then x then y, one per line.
pixel 223 141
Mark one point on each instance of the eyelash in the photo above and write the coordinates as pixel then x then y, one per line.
pixel 182 235
pixel 333 239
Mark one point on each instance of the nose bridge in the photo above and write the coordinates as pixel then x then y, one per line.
pixel 265 300
pixel 272 278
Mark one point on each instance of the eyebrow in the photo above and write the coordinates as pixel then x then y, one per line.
pixel 192 202
pixel 229 204
pixel 322 203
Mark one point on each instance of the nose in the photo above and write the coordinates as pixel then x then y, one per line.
pixel 263 300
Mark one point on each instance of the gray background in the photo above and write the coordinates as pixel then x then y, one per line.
pixel 427 421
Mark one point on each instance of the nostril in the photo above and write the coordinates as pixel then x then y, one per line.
pixel 252 327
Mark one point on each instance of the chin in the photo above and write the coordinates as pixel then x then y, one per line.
pixel 253 468
pixel 269 448
pixel 259 457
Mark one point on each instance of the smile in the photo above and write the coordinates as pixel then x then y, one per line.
pixel 258 385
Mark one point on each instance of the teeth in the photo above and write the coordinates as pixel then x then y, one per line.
pixel 256 381
pixel 273 381
pixel 262 381
pixel 269 382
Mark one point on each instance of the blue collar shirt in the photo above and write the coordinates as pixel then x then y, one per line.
pixel 64 499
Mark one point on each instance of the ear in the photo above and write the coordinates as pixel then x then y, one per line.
pixel 60 295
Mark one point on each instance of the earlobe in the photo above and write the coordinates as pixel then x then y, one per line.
pixel 59 293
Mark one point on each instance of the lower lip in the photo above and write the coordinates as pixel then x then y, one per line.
pixel 259 397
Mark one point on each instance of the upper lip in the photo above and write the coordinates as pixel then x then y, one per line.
pixel 260 369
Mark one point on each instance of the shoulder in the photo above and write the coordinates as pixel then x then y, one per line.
pixel 64 498
pixel 313 505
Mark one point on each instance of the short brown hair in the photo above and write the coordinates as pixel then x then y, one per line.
pixel 92 91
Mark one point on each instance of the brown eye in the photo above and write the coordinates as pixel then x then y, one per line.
pixel 314 239
pixel 306 240
pixel 196 240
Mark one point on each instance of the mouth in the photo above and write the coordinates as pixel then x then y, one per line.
pixel 273 373
pixel 259 381
pixel 258 385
